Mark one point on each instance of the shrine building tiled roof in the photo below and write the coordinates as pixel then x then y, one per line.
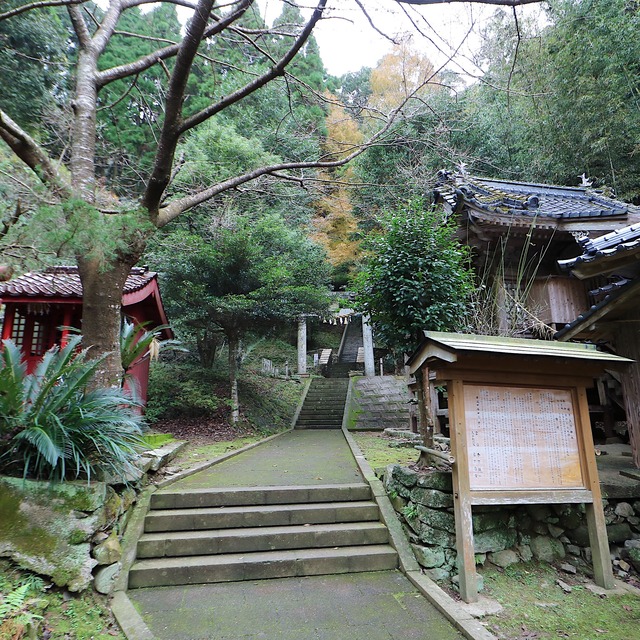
pixel 511 199
pixel 609 245
pixel 615 254
pixel 64 282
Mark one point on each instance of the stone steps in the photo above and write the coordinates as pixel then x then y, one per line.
pixel 319 424
pixel 261 565
pixel 247 533
pixel 242 540
pixel 323 406
pixel 176 499
pixel 259 516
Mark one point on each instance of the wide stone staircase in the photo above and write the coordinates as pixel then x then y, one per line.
pixel 223 535
pixel 323 406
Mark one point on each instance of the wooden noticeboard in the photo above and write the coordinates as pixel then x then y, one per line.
pixel 520 431
pixel 521 438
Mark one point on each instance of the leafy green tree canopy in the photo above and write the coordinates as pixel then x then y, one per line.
pixel 246 276
pixel 416 277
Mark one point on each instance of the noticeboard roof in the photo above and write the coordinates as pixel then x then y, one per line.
pixel 446 346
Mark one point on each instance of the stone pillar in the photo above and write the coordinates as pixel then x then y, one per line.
pixel 367 343
pixel 302 346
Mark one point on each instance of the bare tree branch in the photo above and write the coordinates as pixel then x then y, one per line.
pixel 172 127
pixel 28 150
pixel 176 207
pixel 502 3
pixel 79 26
pixel 277 70
pixel 129 4
pixel 137 66
pixel 373 25
pixel 38 5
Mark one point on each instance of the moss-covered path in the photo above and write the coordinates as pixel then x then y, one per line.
pixel 380 605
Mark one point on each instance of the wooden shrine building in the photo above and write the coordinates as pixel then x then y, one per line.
pixel 562 263
pixel 611 265
pixel 39 306
pixel 518 232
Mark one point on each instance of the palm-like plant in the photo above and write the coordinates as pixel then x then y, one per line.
pixel 137 341
pixel 52 427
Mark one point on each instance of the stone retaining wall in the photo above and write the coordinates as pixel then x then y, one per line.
pixel 379 402
pixel 71 531
pixel 504 535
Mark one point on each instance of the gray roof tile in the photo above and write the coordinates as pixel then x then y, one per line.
pixel 64 282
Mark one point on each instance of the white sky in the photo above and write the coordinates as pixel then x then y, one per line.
pixel 348 42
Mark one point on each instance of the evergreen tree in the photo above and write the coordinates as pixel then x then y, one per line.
pixel 245 276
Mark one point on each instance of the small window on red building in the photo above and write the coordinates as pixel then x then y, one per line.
pixel 37 338
pixel 17 331
pixel 28 333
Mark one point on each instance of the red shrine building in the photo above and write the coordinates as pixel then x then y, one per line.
pixel 40 307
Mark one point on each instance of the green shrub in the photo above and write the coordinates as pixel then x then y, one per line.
pixel 53 428
pixel 186 390
pixel 183 390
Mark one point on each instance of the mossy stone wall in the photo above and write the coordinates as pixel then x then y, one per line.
pixel 506 534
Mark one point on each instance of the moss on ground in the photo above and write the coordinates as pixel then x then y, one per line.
pixel 376 449
pixel 192 455
pixel 535 606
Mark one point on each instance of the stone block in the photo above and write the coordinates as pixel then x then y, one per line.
pixel 436 518
pixel 546 549
pixel 432 497
pixel 571 520
pixel 494 540
pixel 487 520
pixel 525 553
pixel 109 551
pixel 479 582
pixel 618 533
pixel 398 502
pixel 429 557
pixel 403 475
pixel 431 535
pixel 438 574
pixel 555 532
pixel 624 509
pixel 503 558
pixel 45 528
pixel 633 555
pixel 579 536
pixel 439 480
pixel 105 578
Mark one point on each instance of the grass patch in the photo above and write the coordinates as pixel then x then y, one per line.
pixel 31 605
pixel 155 440
pixel 536 607
pixel 375 448
pixel 192 455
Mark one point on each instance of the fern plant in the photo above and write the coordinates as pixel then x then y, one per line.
pixel 52 427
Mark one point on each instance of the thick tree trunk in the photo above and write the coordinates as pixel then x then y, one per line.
pixel 101 315
pixel 233 377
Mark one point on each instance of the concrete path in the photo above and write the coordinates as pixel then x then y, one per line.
pixel 361 606
pixel 381 605
pixel 305 457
